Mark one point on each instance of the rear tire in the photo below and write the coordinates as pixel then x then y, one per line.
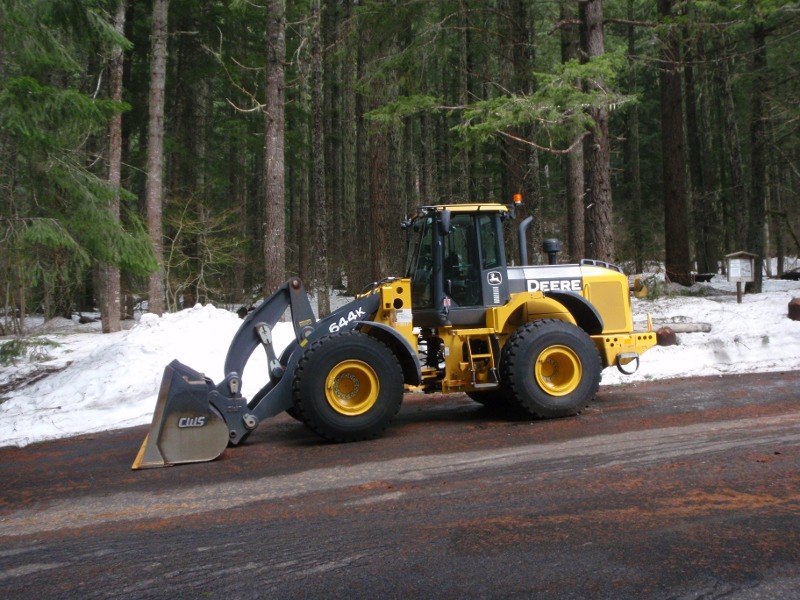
pixel 552 368
pixel 347 387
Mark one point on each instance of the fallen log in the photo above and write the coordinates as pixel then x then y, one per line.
pixel 683 327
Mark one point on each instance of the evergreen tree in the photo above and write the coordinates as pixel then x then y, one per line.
pixel 54 198
pixel 409 103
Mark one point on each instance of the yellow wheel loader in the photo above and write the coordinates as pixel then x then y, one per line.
pixel 535 338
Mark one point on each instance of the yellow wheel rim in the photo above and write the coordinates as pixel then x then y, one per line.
pixel 352 387
pixel 558 370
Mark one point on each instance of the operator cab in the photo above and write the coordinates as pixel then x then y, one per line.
pixel 457 264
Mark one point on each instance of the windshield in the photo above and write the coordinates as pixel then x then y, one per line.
pixel 419 266
pixel 415 236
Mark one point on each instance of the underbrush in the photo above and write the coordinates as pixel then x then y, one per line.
pixel 34 349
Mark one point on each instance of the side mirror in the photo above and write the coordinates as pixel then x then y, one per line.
pixel 444 222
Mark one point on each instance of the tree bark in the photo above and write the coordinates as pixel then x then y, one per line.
pixel 429 182
pixel 332 65
pixel 756 235
pixel 349 144
pixel 378 194
pixel 319 192
pixel 597 149
pixel 776 209
pixel 573 161
pixel 274 228
pixel 673 151
pixel 361 271
pixel 155 151
pixel 108 276
pixel 464 184
pixel 521 163
pixel 733 199
pixel 631 154
pixel 700 164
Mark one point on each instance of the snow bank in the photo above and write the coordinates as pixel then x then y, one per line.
pixel 754 336
pixel 111 381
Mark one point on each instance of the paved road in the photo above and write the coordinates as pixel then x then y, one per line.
pixel 674 490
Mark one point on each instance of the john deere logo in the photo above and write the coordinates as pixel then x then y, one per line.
pixel 555 285
pixel 494 277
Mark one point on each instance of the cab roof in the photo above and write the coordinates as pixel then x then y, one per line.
pixel 467 207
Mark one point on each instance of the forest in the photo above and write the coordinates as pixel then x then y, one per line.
pixel 176 151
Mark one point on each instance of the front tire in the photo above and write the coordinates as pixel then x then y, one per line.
pixel 347 387
pixel 552 368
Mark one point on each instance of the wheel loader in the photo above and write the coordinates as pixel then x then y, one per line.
pixel 532 338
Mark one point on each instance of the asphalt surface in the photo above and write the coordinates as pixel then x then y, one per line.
pixel 678 489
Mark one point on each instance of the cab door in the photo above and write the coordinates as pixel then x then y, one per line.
pixel 474 267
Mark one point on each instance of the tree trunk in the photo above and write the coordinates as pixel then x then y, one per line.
pixel 108 277
pixel 631 155
pixel 676 235
pixel 239 185
pixel 362 270
pixel 349 147
pixel 696 163
pixel 521 164
pixel 378 194
pixel 756 235
pixel 702 166
pixel 319 193
pixel 533 204
pixel 155 151
pixel 301 234
pixel 429 184
pixel 274 118
pixel 733 199
pixel 573 161
pixel 776 210
pixel 332 122
pixel 200 285
pixel 597 149
pixel 463 187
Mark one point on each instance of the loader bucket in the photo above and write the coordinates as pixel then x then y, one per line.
pixel 186 427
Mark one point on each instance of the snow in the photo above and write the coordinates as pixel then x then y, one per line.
pixel 93 382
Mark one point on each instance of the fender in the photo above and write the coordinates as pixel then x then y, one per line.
pixel 406 355
pixel 524 306
pixel 584 312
